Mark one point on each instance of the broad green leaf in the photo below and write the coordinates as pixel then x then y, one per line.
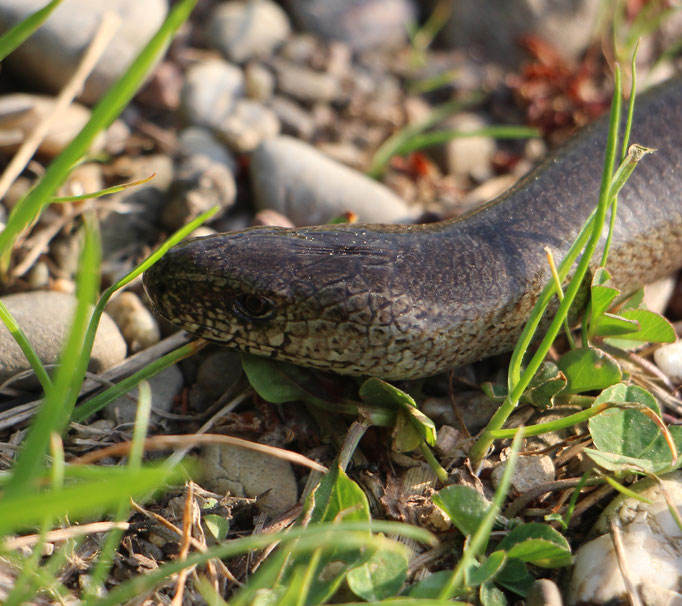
pixel 547 383
pixel 602 294
pixel 537 544
pixel 652 327
pixel 589 369
pixel 495 391
pixel 430 587
pixel 620 463
pixel 380 577
pixel 464 506
pixel 405 435
pixel 488 569
pixel 491 595
pixel 628 431
pixel 612 325
pixel 515 577
pixel 217 525
pixel 380 393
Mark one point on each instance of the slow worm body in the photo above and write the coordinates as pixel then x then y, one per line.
pixel 409 301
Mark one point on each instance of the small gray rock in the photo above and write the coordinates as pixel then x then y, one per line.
pixel 50 55
pixel 164 386
pixel 306 84
pixel 469 156
pixel 544 592
pixel 245 473
pixel 298 181
pixel 247 126
pixel 125 218
pixel 494 27
pixel 530 472
pixel 210 92
pixel 45 317
pixel 362 24
pixel 260 82
pixel 204 178
pixel 293 118
pixel 247 30
pixel 668 358
pixel 652 546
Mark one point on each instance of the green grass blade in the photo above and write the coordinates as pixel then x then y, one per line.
pixel 15 36
pixel 60 398
pixel 104 113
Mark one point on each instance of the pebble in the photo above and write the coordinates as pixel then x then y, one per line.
pixel 468 156
pixel 652 545
pixel 205 177
pixel 210 92
pixel 125 217
pixel 294 120
pixel 249 124
pixel 164 385
pixel 475 410
pixel 657 294
pixel 246 473
pixel 307 85
pixel 493 28
pixel 544 592
pixel 530 472
pixel 20 113
pixel 298 181
pixel 244 31
pixel 45 318
pixel 217 373
pixel 668 358
pixel 259 81
pixel 50 55
pixel 136 323
pixel 362 24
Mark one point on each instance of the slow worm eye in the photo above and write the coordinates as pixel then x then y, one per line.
pixel 253 307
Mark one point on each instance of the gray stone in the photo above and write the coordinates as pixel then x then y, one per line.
pixel 247 126
pixel 668 358
pixel 204 178
pixel 247 30
pixel 126 216
pixel 530 472
pixel 210 91
pixel 469 156
pixel 293 118
pixel 245 473
pixel 49 57
pixel 298 181
pixel 45 317
pixel 544 592
pixel 164 386
pixel 20 113
pixel 306 84
pixel 652 550
pixel 260 81
pixel 494 27
pixel 362 24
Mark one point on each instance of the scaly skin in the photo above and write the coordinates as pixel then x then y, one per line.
pixel 401 302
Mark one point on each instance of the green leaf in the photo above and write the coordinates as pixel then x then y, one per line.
pixel 620 463
pixel 217 525
pixel 537 544
pixel 515 577
pixel 464 506
pixel 653 327
pixel 15 36
pixel 430 587
pixel 495 391
pixel 628 431
pixel 546 384
pixel 601 294
pixel 380 393
pixel 611 325
pixel 380 577
pixel 491 595
pixel 488 569
pixel 589 369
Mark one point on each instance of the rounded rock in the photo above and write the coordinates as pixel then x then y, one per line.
pixel 246 473
pixel 45 317
pixel 494 28
pixel 244 31
pixel 247 126
pixel 136 323
pixel 652 544
pixel 309 188
pixel 210 92
pixel 164 386
pixel 530 472
pixel 50 55
pixel 669 359
pixel 362 24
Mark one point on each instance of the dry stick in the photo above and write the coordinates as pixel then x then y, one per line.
pixel 63 534
pixel 189 441
pixel 107 28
